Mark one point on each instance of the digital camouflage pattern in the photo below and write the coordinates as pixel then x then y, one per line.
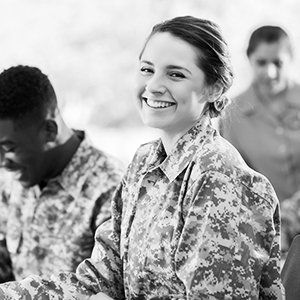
pixel 196 224
pixel 53 229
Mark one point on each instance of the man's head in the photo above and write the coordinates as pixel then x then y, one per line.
pixel 270 54
pixel 27 128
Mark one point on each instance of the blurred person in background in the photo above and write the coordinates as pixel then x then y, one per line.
pixel 264 124
pixel 190 220
pixel 58 186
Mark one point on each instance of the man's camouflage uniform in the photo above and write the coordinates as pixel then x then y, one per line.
pixel 53 229
pixel 196 224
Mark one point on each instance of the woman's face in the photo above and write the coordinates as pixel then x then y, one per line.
pixel 170 87
pixel 270 63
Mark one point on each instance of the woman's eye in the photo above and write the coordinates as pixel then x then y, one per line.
pixel 176 75
pixel 146 70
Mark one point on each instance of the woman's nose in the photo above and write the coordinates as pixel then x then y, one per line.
pixel 156 84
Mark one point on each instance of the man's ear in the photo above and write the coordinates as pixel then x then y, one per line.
pixel 214 92
pixel 51 130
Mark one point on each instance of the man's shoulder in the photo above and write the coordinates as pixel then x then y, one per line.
pixel 104 161
pixel 96 158
pixel 92 170
pixel 93 173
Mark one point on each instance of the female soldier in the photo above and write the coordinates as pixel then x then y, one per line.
pixel 190 220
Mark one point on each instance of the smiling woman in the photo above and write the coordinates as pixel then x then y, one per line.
pixel 170 88
pixel 190 220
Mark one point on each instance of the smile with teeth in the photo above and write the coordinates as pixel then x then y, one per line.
pixel 158 104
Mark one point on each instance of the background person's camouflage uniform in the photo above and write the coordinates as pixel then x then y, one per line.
pixel 53 229
pixel 290 219
pixel 197 224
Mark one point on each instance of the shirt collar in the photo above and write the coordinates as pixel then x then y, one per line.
pixel 74 174
pixel 182 153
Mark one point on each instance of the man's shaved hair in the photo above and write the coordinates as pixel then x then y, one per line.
pixel 25 91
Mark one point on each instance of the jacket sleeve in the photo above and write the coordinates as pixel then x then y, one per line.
pixel 114 173
pixel 101 273
pixel 227 241
pixel 271 286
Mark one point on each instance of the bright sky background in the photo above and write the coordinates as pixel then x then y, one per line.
pixel 89 50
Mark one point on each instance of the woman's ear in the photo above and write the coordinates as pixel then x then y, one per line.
pixel 214 92
pixel 51 130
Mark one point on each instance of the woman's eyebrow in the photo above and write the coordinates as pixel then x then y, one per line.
pixel 147 62
pixel 169 67
pixel 178 67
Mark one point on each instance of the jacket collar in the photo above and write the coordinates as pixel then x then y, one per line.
pixel 74 174
pixel 183 152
